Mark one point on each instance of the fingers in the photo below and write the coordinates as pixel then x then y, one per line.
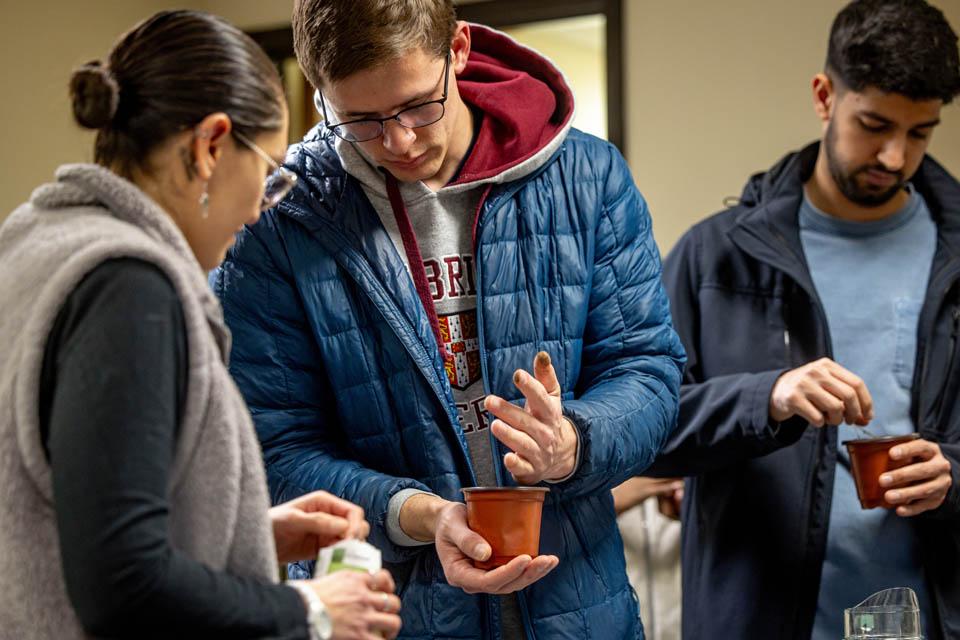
pixel 836 395
pixel 806 410
pixel 474 580
pixel 935 489
pixel 383 581
pixel 850 401
pixel 521 469
pixel 465 539
pixel 518 419
pixel 545 374
pixel 322 501
pixel 921 486
pixel 359 530
pixel 517 574
pixel 920 506
pixel 914 473
pixel 384 602
pixel 358 527
pixel 662 486
pixel 538 399
pixel 515 439
pixel 923 449
pixel 538 568
pixel 829 405
pixel 496 581
pixel 324 525
pixel 669 506
pixel 387 624
pixel 383 621
pixel 864 399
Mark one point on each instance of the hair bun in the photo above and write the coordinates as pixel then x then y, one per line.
pixel 95 95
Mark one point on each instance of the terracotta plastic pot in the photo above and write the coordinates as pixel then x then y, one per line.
pixel 869 459
pixel 508 518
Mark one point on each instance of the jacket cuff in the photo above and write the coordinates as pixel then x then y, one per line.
pixel 394 532
pixel 780 433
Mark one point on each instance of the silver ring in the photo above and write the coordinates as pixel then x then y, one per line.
pixel 386 601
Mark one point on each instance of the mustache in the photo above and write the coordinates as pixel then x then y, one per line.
pixel 882 169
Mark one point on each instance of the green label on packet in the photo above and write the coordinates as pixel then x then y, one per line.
pixel 348 555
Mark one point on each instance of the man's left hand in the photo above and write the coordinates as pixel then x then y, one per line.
pixel 922 485
pixel 543 442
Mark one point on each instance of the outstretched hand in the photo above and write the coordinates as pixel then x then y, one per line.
pixel 542 441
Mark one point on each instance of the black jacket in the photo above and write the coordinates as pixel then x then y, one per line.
pixel 758 504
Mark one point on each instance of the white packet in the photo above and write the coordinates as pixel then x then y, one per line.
pixel 350 555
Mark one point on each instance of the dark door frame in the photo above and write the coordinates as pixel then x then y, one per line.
pixel 510 13
pixel 278 43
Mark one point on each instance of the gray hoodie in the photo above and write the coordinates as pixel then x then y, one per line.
pixel 436 227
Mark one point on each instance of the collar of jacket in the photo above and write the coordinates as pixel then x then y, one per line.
pixel 767 228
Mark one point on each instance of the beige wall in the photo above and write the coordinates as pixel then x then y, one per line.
pixel 249 14
pixel 40 42
pixel 715 90
pixel 719 90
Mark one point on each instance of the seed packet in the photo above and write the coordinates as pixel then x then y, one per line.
pixel 348 555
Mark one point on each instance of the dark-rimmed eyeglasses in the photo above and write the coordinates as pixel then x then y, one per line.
pixel 414 117
pixel 280 181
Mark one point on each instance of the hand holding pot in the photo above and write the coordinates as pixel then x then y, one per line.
pixel 543 442
pixel 458 546
pixel 922 485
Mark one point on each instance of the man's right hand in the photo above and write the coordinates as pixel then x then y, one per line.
pixel 458 546
pixel 822 392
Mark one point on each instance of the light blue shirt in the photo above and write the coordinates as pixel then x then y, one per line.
pixel 871 278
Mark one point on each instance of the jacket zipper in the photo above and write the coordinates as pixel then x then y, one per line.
pixel 923 361
pixel 918 384
pixel 497 462
pixel 950 358
pixel 417 351
pixel 822 442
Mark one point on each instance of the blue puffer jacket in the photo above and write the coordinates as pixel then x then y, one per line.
pixel 338 362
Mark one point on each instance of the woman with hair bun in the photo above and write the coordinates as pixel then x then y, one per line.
pixel 133 500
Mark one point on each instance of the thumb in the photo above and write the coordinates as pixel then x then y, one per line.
pixel 470 542
pixel 544 372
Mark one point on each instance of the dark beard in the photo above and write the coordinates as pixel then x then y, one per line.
pixel 847 182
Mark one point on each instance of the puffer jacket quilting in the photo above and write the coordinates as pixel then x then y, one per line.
pixel 339 365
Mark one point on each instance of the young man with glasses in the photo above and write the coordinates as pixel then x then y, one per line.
pixel 448 229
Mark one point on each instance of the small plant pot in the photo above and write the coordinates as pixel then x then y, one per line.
pixel 869 459
pixel 508 518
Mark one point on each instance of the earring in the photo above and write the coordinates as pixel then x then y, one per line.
pixel 204 203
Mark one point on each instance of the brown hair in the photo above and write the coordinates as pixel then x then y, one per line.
pixel 336 38
pixel 165 75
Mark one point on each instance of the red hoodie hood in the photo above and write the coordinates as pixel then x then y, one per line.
pixel 525 101
pixel 526 106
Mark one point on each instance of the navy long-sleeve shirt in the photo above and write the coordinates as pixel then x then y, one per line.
pixel 113 385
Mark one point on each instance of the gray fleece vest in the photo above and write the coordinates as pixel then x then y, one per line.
pixel 217 491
